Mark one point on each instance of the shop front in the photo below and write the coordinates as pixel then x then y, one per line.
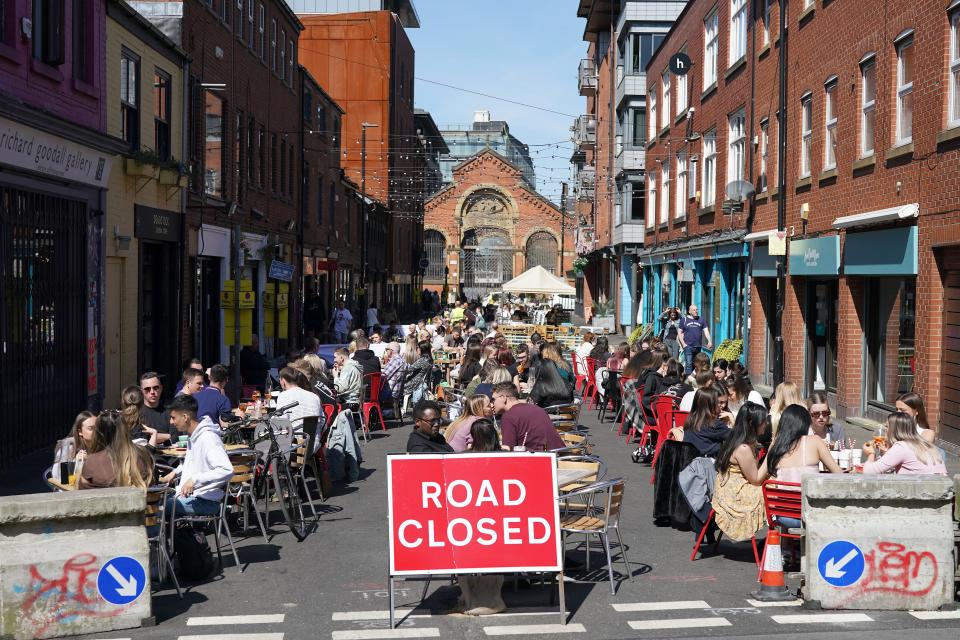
pixel 763 272
pixel 814 267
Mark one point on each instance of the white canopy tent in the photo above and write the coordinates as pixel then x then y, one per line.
pixel 539 281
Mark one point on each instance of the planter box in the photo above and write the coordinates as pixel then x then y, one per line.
pixel 172 178
pixel 604 322
pixel 134 168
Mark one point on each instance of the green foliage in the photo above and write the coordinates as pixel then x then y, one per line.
pixel 729 350
pixel 603 308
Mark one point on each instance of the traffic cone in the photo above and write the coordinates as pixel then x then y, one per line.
pixel 772 585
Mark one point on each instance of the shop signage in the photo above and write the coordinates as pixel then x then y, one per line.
pixel 324 264
pixel 28 148
pixel 886 252
pixel 156 224
pixel 281 271
pixel 478 513
pixel 815 256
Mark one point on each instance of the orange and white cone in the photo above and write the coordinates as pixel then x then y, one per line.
pixel 772 585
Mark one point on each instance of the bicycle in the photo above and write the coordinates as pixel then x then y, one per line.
pixel 276 464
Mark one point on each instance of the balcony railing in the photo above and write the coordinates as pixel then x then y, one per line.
pixel 585 132
pixel 631 85
pixel 587 77
pixel 586 183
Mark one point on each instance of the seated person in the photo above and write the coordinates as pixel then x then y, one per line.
pixel 426 437
pixel 704 428
pixel 550 388
pixel 347 376
pixel 475 408
pixel 112 460
pixel 822 425
pixel 296 388
pixel 522 423
pixel 737 498
pixel 908 454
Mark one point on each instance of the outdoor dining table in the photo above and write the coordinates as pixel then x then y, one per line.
pixel 569 476
pixel 180 452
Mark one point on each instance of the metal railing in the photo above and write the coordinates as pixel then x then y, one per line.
pixel 587 77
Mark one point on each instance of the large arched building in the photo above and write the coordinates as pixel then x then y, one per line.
pixel 488 226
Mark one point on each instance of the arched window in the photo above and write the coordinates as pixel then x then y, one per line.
pixel 435 246
pixel 542 250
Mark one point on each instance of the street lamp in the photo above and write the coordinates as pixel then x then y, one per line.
pixel 363 203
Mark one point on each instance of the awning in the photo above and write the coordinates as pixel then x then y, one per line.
pixel 891 214
pixel 885 252
pixel 758 235
pixel 538 280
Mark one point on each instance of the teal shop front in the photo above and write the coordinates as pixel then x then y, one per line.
pixel 814 267
pixel 763 271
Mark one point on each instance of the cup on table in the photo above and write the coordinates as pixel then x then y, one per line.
pixel 845 460
pixel 855 457
pixel 519 447
pixel 182 441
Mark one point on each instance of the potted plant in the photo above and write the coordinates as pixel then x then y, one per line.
pixel 603 315
pixel 143 163
pixel 173 173
pixel 579 265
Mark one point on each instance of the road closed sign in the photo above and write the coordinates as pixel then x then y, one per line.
pixel 473 513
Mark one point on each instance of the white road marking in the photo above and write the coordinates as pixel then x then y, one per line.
pixel 661 606
pixel 244 619
pixel 677 623
pixel 821 618
pixel 235 636
pixel 528 629
pixel 936 615
pixel 351 616
pixel 761 603
pixel 376 634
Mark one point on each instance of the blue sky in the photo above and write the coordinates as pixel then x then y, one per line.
pixel 523 50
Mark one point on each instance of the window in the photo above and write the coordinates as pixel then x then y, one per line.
pixel 129 99
pixel 319 200
pixel 82 39
pixel 250 23
pixel 681 94
pixel 322 118
pixel 282 188
pixel 692 178
pixel 806 134
pixel 807 4
pixel 161 114
pixel 283 53
pixel 262 150
pixel 890 332
pixel 434 245
pixel 290 61
pixel 680 208
pixel 652 98
pixel 641 48
pixel 953 108
pixel 214 151
pixel 868 106
pixel 665 191
pixel 333 210
pixel 292 176
pixel 762 182
pixel 542 251
pixel 639 122
pixel 709 195
pixel 238 170
pixel 48 28
pixel 736 145
pixel 274 165
pixel 766 21
pixel 651 198
pixel 665 108
pixel 905 90
pixel 225 11
pixel 738 30
pixel 251 152
pixel 711 49
pixel 830 125
pixel 273 44
pixel 637 201
pixel 239 22
pixel 261 31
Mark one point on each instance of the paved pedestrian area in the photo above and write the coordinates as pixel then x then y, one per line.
pixel 332 586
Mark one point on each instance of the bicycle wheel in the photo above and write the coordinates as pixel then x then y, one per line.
pixel 289 498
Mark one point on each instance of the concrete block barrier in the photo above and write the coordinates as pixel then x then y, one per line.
pixel 879 542
pixel 73 563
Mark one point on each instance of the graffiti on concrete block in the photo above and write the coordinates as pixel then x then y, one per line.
pixel 892 569
pixel 50 602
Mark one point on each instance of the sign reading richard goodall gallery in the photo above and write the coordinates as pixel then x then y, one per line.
pixel 28 148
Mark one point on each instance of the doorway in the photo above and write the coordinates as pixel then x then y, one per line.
pixel 208 307
pixel 157 348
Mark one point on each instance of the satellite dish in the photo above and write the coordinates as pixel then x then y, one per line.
pixel 740 190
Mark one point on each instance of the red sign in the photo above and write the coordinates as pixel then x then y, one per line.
pixel 326 265
pixel 473 513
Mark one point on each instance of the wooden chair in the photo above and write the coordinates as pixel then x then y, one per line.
pixel 155 521
pixel 609 494
pixel 303 460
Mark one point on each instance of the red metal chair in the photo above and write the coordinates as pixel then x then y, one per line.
pixel 781 500
pixel 579 375
pixel 679 417
pixel 590 388
pixel 373 383
pixel 663 407
pixel 703 532
pixel 328 411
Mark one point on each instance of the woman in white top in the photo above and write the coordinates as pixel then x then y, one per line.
pixel 296 388
pixel 583 351
pixel 372 319
pixel 912 404
pixel 740 392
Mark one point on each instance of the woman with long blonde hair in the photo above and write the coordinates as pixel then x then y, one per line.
pixel 786 394
pixel 908 453
pixel 113 460
pixel 458 433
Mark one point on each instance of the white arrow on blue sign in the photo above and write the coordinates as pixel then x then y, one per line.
pixel 121 580
pixel 840 563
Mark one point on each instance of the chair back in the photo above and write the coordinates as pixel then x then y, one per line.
pixel 244 466
pixel 592 365
pixel 781 499
pixel 611 513
pixel 153 514
pixel 328 411
pixel 574 442
pixel 587 463
pixel 679 417
pixel 663 407
pixel 372 385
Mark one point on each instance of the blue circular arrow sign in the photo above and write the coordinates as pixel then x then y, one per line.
pixel 840 563
pixel 121 580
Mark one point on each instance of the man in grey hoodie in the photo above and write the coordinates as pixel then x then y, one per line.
pixel 347 376
pixel 206 468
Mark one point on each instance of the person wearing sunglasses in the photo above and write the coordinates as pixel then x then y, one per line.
pixel 152 413
pixel 822 426
pixel 426 437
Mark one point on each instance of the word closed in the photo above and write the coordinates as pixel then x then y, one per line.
pixel 473 513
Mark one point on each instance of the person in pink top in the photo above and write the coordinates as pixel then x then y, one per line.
pixel 908 452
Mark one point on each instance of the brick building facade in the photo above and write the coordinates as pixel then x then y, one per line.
pixel 493 221
pixel 872 224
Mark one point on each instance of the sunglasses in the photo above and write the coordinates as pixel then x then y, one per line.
pixel 820 414
pixel 150 389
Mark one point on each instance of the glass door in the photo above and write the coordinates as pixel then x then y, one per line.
pixel 821 320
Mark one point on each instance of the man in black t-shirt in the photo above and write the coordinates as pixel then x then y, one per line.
pixel 153 414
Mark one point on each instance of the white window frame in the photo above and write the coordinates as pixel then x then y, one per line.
pixel 692 171
pixel 665 114
pixel 291 60
pixel 273 44
pixel 806 134
pixel 711 48
pixel 737 46
pixel 651 199
pixel 282 65
pixel 807 4
pixel 953 107
pixel 904 90
pixel 708 195
pixel 681 93
pixel 736 145
pixel 830 124
pixel 652 115
pixel 665 191
pixel 868 108
pixel 262 30
pixel 764 156
pixel 766 21
pixel 682 176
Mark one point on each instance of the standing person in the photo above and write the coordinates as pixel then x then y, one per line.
pixel 425 437
pixel 212 401
pixel 372 319
pixel 420 373
pixel 153 414
pixel 206 468
pixel 340 323
pixel 523 424
pixel 693 331
pixel 254 366
pixel 389 313
pixel 671 331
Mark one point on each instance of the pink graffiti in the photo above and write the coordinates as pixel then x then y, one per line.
pixel 71 595
pixel 890 568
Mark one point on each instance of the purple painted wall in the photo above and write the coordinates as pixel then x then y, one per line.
pixel 62 90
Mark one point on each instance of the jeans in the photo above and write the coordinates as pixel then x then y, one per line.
pixel 339 337
pixel 191 506
pixel 416 395
pixel 688 353
pixel 789 523
pixel 673 347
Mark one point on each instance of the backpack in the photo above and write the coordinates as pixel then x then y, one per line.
pixel 194 558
